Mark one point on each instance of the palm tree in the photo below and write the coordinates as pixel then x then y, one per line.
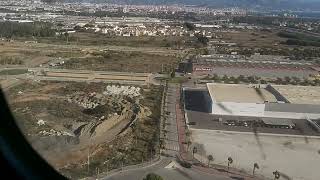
pixel 210 158
pixel 276 174
pixel 230 161
pixel 194 150
pixel 255 166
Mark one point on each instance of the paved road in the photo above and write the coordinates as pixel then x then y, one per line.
pixel 172 144
pixel 166 173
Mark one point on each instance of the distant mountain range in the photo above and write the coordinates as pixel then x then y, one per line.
pixel 273 4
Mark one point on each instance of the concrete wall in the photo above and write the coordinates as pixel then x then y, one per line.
pixel 240 109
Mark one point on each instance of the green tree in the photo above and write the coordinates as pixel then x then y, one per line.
pixel 210 158
pixel 241 78
pixel 202 39
pixel 287 79
pixel 190 26
pixel 152 176
pixel 225 79
pixel 276 174
pixel 173 74
pixel 215 77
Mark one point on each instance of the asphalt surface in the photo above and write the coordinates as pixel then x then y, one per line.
pixel 166 173
pixel 172 144
pixel 209 121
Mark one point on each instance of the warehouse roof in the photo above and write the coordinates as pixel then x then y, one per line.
pixel 239 93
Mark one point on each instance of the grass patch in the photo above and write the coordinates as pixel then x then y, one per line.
pixel 179 80
pixel 13 71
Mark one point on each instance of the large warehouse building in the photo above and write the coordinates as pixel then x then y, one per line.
pixel 294 102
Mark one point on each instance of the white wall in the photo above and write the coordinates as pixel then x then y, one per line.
pixel 240 109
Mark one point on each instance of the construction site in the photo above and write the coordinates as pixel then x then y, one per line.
pixel 74 125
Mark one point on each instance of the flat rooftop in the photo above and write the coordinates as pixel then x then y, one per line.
pixel 299 94
pixel 239 93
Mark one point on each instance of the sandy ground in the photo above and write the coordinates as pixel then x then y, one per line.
pixel 295 157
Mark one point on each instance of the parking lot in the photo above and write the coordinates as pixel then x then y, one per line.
pixel 206 121
pixel 268 70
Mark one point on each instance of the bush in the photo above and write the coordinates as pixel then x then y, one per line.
pixel 152 176
pixel 300 39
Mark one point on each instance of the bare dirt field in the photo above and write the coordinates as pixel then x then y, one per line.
pixel 124 61
pixel 294 157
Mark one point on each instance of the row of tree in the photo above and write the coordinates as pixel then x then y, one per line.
pixel 255 80
pixel 293 53
pixel 210 158
pixel 37 29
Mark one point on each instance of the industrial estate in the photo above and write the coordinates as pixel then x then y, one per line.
pixel 140 91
